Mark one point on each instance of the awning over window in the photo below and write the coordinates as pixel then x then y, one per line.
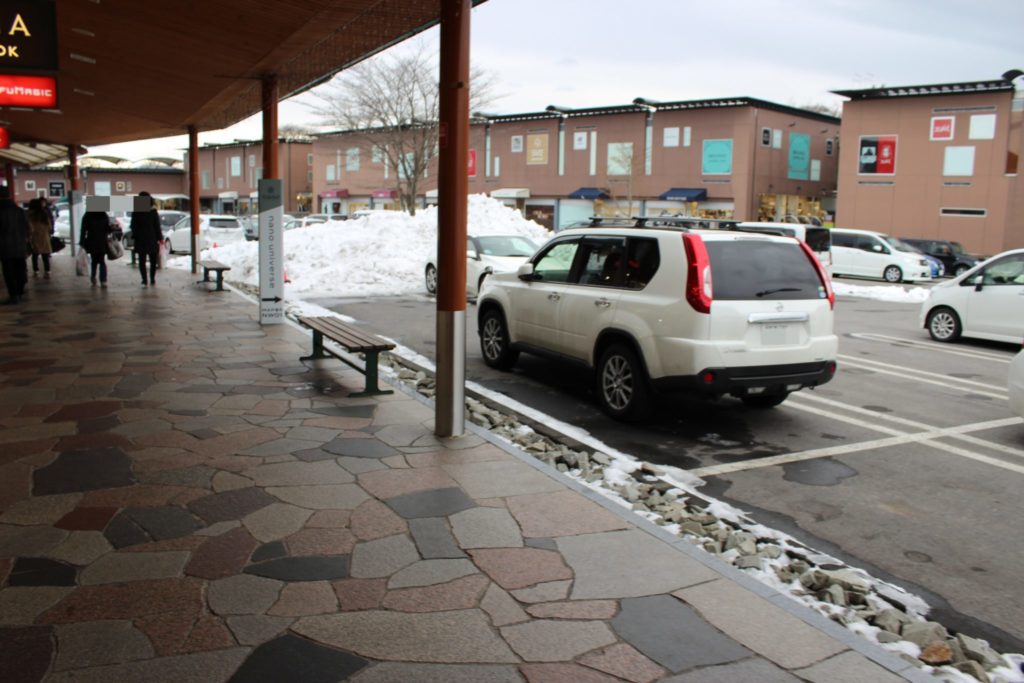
pixel 511 193
pixel 334 194
pixel 231 194
pixel 385 194
pixel 589 193
pixel 168 197
pixel 685 194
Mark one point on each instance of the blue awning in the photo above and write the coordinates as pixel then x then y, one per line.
pixel 685 194
pixel 589 193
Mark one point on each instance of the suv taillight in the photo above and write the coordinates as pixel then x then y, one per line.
pixel 826 281
pixel 698 274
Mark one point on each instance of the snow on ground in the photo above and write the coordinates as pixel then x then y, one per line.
pixel 910 295
pixel 382 254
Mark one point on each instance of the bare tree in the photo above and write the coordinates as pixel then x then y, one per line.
pixel 392 100
pixel 623 167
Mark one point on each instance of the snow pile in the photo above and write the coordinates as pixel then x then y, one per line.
pixel 909 295
pixel 378 255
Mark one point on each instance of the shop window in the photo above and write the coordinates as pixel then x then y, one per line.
pixel 236 166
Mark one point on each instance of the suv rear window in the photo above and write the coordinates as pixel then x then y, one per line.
pixel 748 270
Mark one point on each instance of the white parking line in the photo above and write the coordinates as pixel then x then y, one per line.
pixel 932 346
pixel 941 380
pixel 901 439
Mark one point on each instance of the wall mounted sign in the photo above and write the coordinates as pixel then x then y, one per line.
pixel 36 92
pixel 536 149
pixel 472 163
pixel 943 128
pixel 877 155
pixel 799 164
pixel 717 157
pixel 28 36
pixel 5 139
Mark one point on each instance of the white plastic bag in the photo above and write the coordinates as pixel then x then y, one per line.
pixel 82 263
pixel 162 253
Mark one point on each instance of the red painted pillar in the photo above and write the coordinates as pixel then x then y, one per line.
pixel 453 183
pixel 193 189
pixel 270 97
pixel 73 167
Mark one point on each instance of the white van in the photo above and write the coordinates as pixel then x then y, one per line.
pixel 818 238
pixel 866 253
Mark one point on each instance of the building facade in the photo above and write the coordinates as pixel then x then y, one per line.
pixel 229 175
pixel 51 181
pixel 935 161
pixel 736 158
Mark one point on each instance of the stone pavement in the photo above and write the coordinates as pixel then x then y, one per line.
pixel 182 500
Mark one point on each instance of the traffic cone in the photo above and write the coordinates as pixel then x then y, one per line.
pixel 286 278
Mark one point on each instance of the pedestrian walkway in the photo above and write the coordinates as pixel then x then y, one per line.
pixel 182 500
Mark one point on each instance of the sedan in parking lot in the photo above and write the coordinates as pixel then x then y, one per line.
pixel 214 231
pixel 486 254
pixel 985 302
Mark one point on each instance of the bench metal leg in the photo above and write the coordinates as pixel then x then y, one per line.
pixel 371 388
pixel 318 347
pixel 206 274
pixel 220 281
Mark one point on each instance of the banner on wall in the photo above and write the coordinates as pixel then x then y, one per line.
pixel 877 155
pixel 799 164
pixel 537 149
pixel 716 157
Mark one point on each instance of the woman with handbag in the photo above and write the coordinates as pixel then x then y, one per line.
pixel 95 230
pixel 39 231
pixel 146 238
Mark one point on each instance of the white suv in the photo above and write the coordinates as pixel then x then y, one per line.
pixel 663 309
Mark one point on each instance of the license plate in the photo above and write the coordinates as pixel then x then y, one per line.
pixel 776 335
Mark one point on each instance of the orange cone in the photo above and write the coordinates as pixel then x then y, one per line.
pixel 286 278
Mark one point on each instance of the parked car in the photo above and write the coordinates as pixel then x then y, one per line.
pixel 819 239
pixel 214 230
pixel 324 217
pixel 168 219
pixel 938 268
pixel 486 254
pixel 986 302
pixel 866 253
pixel 1015 383
pixel 952 254
pixel 660 310
pixel 251 225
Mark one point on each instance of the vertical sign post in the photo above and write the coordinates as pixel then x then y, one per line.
pixel 271 252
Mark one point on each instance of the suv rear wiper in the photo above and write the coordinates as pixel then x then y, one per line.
pixel 773 291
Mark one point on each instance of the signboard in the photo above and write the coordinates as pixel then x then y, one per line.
pixel 537 149
pixel 942 128
pixel 798 166
pixel 717 157
pixel 55 188
pixel 877 155
pixel 37 92
pixel 28 36
pixel 271 202
pixel 472 163
pixel 5 139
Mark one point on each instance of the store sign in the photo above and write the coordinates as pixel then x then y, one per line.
pixel 799 164
pixel 877 155
pixel 28 36
pixel 55 188
pixel 472 163
pixel 942 128
pixel 5 139
pixel 536 149
pixel 37 92
pixel 716 158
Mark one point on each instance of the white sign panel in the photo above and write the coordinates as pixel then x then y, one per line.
pixel 271 252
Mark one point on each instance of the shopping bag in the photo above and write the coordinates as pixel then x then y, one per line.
pixel 82 263
pixel 114 249
pixel 162 253
pixel 56 244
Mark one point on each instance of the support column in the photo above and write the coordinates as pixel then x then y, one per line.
pixel 193 191
pixel 453 184
pixel 72 196
pixel 73 167
pixel 270 96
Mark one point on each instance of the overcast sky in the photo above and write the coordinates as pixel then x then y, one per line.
pixel 584 53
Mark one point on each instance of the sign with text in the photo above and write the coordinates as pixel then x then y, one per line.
pixel 28 36
pixel 271 252
pixel 5 139
pixel 716 158
pixel 35 92
pixel 877 155
pixel 799 164
pixel 472 163
pixel 536 149
pixel 943 128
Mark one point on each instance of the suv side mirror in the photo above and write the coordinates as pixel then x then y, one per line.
pixel 878 248
pixel 472 253
pixel 979 281
pixel 525 272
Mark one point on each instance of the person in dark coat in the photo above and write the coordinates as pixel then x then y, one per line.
pixel 95 232
pixel 40 229
pixel 13 246
pixel 146 237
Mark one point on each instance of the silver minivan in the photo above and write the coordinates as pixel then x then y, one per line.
pixel 870 254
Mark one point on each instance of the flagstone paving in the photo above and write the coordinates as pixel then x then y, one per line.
pixel 182 500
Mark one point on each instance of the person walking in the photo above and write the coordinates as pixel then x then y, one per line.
pixel 13 246
pixel 146 238
pixel 40 229
pixel 95 232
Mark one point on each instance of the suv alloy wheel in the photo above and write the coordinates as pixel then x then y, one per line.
pixel 622 383
pixel 494 341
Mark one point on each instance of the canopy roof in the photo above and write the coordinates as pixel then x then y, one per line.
pixel 131 70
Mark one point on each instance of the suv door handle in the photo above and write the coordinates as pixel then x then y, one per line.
pixel 602 303
pixel 554 296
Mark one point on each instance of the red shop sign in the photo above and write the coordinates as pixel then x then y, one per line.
pixel 39 92
pixel 5 139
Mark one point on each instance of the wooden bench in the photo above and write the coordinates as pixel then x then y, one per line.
pixel 353 340
pixel 217 267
